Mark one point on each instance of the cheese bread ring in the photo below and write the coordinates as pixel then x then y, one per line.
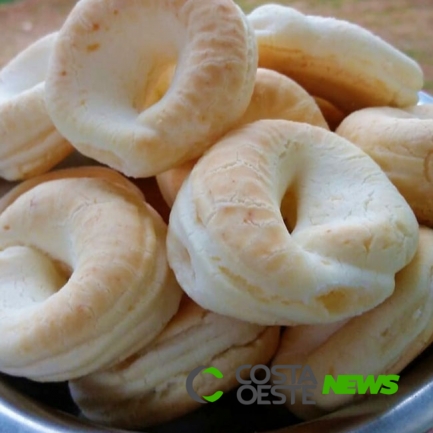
pixel 150 387
pixel 334 59
pixel 85 280
pixel 275 96
pixel 348 229
pixel 108 56
pixel 381 341
pixel 29 142
pixel 401 142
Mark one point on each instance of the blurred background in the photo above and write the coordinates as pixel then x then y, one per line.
pixel 407 24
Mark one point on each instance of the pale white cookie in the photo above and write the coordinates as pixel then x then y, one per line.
pixel 103 81
pixel 29 142
pixel 84 276
pixel 401 142
pixel 283 222
pixel 334 59
pixel 380 342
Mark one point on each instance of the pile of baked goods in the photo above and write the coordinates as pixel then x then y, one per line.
pixel 298 169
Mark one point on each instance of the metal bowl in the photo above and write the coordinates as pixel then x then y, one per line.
pixel 29 407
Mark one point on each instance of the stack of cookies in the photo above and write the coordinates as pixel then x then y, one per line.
pixel 297 170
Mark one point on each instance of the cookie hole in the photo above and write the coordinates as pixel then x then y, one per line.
pixel 29 276
pixel 157 84
pixel 289 209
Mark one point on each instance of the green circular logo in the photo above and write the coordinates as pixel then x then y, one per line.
pixel 207 398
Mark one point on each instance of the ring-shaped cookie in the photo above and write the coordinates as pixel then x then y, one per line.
pixel 283 223
pixel 109 56
pixel 84 261
pixel 381 341
pixel 336 60
pixel 29 142
pixel 401 142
